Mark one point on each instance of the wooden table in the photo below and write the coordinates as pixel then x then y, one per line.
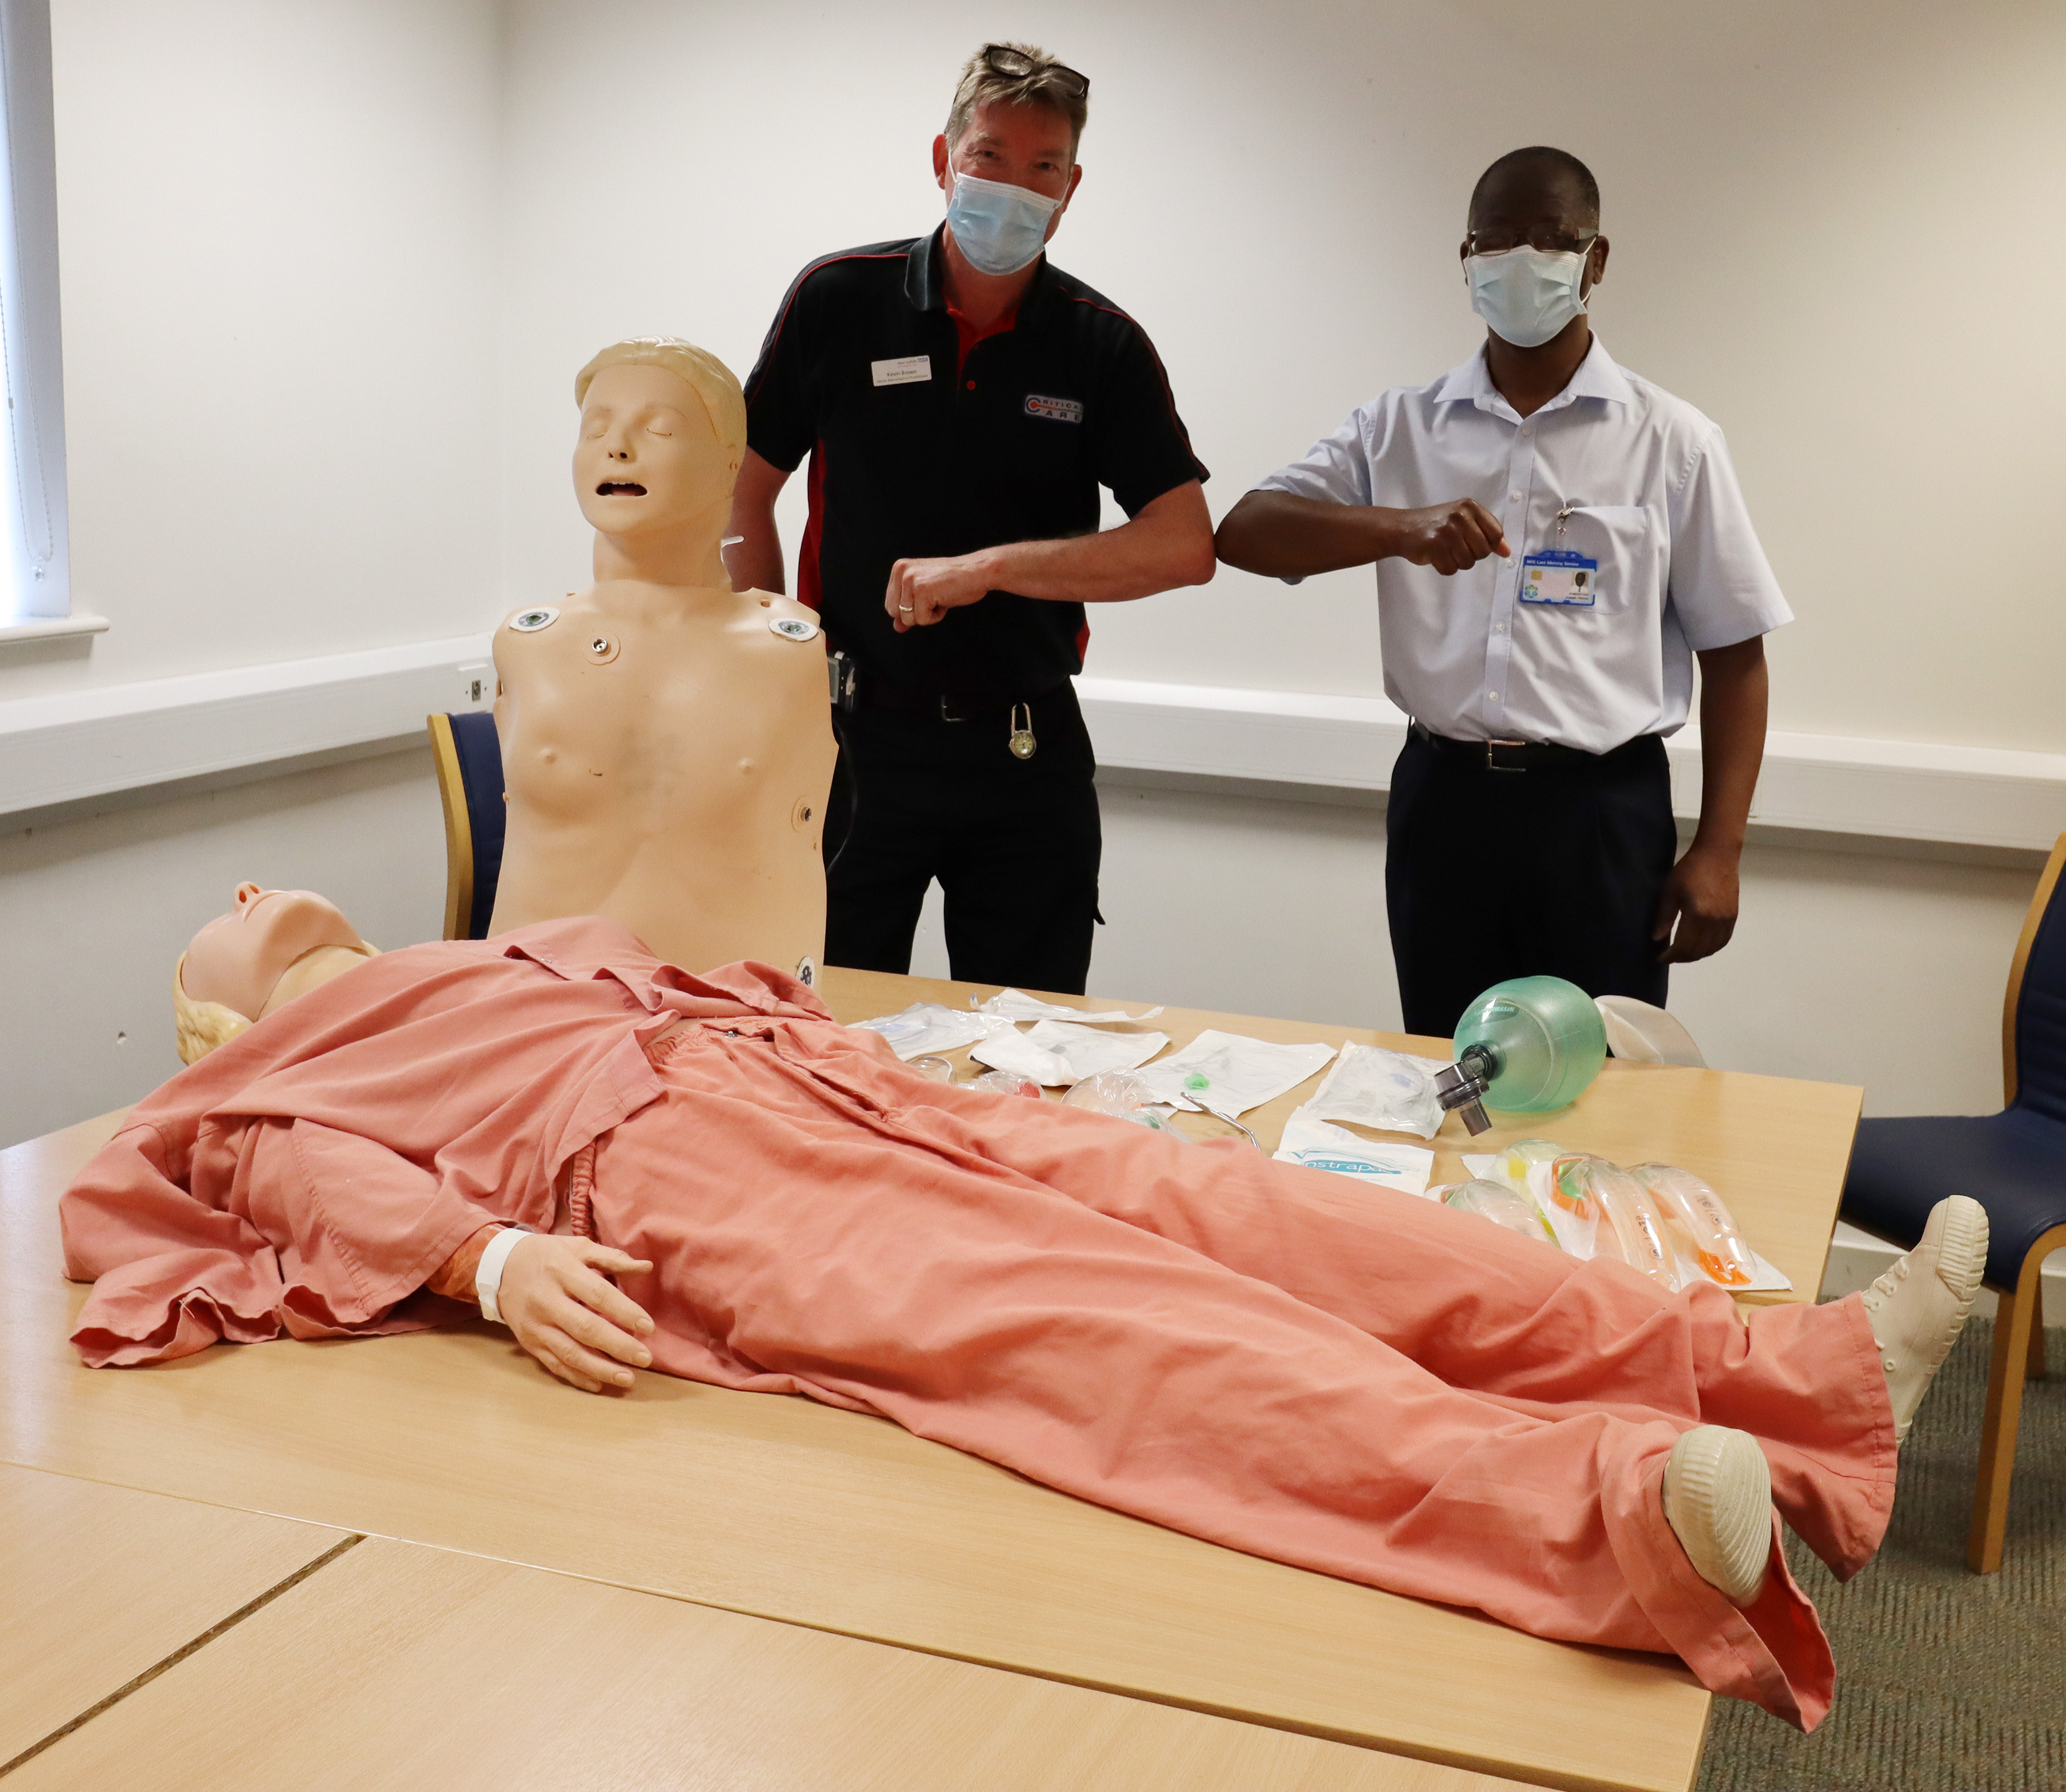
pixel 99 1584
pixel 786 1510
pixel 395 1665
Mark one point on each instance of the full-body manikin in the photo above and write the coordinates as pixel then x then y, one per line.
pixel 1343 1378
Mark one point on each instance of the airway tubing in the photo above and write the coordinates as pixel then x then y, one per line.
pixel 488 1276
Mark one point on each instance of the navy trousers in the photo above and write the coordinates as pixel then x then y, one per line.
pixel 1554 871
pixel 1013 844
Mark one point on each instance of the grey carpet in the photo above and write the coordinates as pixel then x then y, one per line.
pixel 1947 1680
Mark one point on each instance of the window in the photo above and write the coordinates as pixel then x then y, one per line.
pixel 35 591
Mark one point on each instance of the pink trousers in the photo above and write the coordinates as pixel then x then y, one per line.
pixel 1272 1358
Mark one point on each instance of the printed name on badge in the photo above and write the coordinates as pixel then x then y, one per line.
pixel 905 372
pixel 1055 409
pixel 1556 576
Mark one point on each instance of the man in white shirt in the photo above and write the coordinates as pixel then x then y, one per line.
pixel 1556 541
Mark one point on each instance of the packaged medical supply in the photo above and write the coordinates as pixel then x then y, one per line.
pixel 1591 1189
pixel 1388 1091
pixel 932 1027
pixel 1229 1073
pixel 1703 1226
pixel 1495 1201
pixel 1060 1053
pixel 1514 1165
pixel 1123 1095
pixel 1006 1082
pixel 1529 1166
pixel 1528 1045
pixel 1016 1004
pixel 1318 1145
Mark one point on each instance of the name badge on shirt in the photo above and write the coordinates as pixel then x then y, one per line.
pixel 906 370
pixel 1559 577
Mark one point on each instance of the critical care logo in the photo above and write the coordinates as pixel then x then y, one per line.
pixel 1055 410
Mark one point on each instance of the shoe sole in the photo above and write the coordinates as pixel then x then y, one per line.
pixel 1718 1500
pixel 1961 1251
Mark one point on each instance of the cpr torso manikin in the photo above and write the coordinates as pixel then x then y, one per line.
pixel 666 748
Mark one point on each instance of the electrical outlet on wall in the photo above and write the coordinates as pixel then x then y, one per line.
pixel 476 684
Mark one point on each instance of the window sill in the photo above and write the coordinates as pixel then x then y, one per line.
pixel 50 628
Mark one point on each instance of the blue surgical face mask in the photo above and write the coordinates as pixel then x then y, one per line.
pixel 999 227
pixel 1527 295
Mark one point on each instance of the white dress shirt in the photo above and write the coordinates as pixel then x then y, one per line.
pixel 1654 499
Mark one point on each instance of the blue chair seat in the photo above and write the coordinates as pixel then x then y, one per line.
pixel 2013 1163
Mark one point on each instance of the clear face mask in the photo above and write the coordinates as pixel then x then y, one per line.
pixel 1000 228
pixel 1526 295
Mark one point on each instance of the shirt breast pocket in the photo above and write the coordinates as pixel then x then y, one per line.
pixel 1628 541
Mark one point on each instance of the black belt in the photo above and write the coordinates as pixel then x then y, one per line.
pixel 1522 756
pixel 862 691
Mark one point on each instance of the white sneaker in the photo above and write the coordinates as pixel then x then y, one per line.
pixel 1718 1502
pixel 1918 1308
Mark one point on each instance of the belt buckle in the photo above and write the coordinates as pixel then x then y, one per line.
pixel 1492 761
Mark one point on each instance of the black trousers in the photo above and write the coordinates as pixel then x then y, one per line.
pixel 1014 843
pixel 1554 871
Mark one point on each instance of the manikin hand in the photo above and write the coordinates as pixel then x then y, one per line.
pixel 1448 536
pixel 578 1325
pixel 922 591
pixel 1700 897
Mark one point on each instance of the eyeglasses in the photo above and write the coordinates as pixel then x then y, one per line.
pixel 1001 59
pixel 1548 240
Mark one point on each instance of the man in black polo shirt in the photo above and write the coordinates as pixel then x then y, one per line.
pixel 962 401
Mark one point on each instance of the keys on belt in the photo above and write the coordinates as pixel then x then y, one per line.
pixel 850 692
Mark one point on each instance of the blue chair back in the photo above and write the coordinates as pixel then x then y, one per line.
pixel 2037 1028
pixel 468 754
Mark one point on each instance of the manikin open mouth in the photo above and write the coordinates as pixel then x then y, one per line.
pixel 620 489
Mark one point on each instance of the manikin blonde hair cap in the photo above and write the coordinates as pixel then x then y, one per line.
pixel 200 1027
pixel 706 376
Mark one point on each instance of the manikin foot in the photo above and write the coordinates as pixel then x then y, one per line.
pixel 1917 1308
pixel 1718 1502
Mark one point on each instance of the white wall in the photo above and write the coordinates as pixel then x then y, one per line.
pixel 277 228
pixel 329 268
pixel 1827 223
pixel 96 905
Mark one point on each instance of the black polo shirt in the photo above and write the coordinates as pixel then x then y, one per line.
pixel 910 458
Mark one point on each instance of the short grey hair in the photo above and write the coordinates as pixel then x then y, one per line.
pixel 981 85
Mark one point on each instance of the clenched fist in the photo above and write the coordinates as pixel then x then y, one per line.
pixel 1447 537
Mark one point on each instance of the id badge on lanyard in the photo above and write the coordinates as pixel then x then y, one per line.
pixel 1557 577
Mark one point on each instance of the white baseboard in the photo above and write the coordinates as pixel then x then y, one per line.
pixel 59 749
pixel 1815 784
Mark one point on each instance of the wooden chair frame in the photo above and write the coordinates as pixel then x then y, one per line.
pixel 459 828
pixel 2018 1349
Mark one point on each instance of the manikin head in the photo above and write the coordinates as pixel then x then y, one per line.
pixel 662 436
pixel 1017 119
pixel 273 946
